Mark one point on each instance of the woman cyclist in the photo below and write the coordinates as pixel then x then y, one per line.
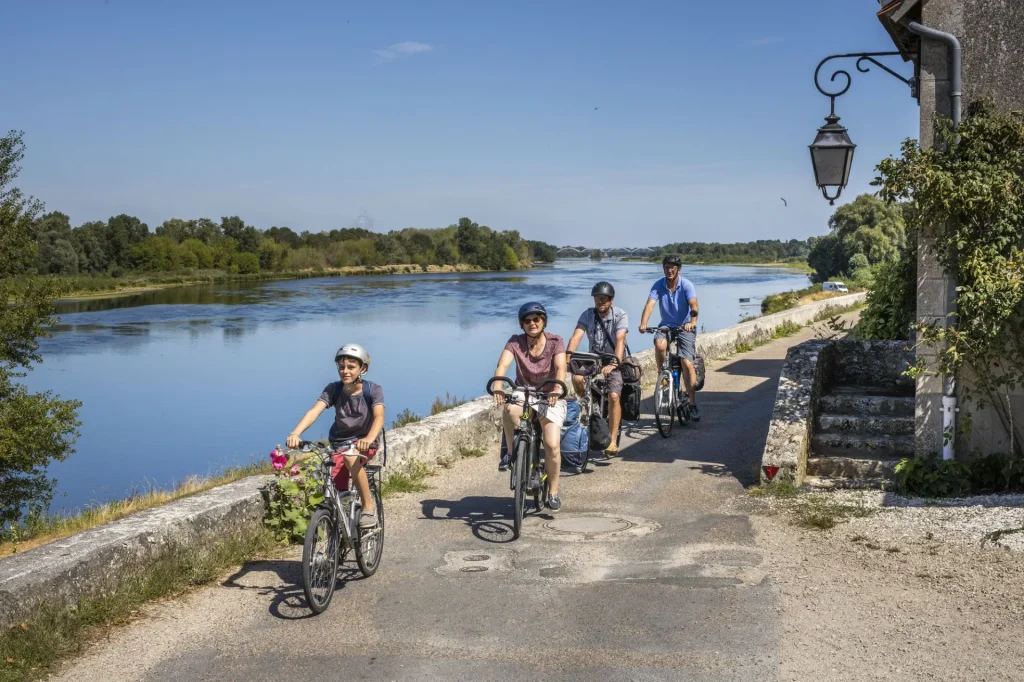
pixel 539 356
pixel 358 414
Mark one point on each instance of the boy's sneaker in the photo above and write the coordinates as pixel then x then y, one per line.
pixel 694 413
pixel 554 504
pixel 506 462
pixel 368 520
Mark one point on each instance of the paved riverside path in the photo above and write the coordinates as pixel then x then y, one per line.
pixel 677 595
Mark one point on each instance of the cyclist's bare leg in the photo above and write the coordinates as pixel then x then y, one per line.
pixel 580 384
pixel 689 380
pixel 510 420
pixel 660 348
pixel 614 415
pixel 358 473
pixel 553 453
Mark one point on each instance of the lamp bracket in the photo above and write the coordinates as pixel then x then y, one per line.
pixel 862 64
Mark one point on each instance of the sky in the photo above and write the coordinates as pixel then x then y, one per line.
pixel 576 122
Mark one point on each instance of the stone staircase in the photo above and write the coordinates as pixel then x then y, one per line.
pixel 860 433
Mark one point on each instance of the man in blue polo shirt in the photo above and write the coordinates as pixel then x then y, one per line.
pixel 677 302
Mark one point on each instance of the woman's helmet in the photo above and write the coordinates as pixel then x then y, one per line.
pixel 603 289
pixel 532 308
pixel 672 259
pixel 355 351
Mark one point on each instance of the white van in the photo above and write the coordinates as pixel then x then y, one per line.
pixel 835 286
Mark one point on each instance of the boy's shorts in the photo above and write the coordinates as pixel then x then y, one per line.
pixel 339 472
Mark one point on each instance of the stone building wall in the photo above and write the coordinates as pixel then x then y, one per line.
pixel 991 33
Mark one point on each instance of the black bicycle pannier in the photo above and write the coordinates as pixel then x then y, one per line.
pixel 600 434
pixel 630 401
pixel 699 371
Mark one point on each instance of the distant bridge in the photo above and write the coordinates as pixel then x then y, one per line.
pixel 617 252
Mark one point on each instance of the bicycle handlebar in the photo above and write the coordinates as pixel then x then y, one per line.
pixel 663 328
pixel 529 389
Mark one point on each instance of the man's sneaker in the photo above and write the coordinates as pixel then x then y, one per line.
pixel 506 462
pixel 694 413
pixel 554 504
pixel 368 519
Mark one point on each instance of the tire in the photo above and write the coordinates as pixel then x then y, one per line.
pixel 683 413
pixel 370 546
pixel 663 410
pixel 522 469
pixel 320 560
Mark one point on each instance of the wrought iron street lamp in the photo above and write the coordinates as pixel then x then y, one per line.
pixel 832 149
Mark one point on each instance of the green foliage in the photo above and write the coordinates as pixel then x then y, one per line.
pixel 864 232
pixel 404 417
pixel 412 480
pixel 444 404
pixel 932 477
pixel 245 263
pixel 973 184
pixel 35 428
pixel 786 328
pixel 761 251
pixel 776 303
pixel 892 301
pixel 293 495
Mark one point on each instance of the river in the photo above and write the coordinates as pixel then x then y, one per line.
pixel 191 380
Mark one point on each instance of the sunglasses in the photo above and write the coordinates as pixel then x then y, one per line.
pixel 536 319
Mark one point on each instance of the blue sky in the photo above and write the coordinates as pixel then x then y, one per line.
pixel 397 114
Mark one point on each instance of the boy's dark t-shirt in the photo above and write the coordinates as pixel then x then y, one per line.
pixel 353 414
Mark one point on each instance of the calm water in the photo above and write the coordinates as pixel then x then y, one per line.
pixel 191 380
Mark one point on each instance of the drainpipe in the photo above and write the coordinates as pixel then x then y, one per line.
pixel 956 91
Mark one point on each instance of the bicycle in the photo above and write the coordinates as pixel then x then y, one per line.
pixel 669 401
pixel 588 365
pixel 527 471
pixel 334 528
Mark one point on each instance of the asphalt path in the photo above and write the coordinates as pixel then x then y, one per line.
pixel 645 574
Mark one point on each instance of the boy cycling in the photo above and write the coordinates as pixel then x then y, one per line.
pixel 358 414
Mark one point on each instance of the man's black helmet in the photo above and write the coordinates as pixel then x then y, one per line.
pixel 532 308
pixel 672 259
pixel 603 289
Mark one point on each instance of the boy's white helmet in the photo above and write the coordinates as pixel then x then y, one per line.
pixel 353 350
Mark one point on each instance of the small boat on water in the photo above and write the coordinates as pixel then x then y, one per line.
pixel 744 300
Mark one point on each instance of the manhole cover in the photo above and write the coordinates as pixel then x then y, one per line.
pixel 588 524
pixel 473 569
pixel 476 557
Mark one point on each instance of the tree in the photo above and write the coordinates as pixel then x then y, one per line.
pixel 232 227
pixel 249 239
pixel 246 263
pixel 866 225
pixel 202 253
pixel 56 253
pixel 175 229
pixel 90 242
pixel 124 232
pixel 284 235
pixel 35 428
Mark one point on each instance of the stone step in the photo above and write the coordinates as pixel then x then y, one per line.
pixel 865 425
pixel 837 402
pixel 825 483
pixel 851 469
pixel 861 446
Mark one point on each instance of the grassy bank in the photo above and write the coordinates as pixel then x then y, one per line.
pixel 31 650
pixel 39 530
pixel 776 303
pixel 86 286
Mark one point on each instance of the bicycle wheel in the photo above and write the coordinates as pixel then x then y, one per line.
pixel 320 560
pixel 663 407
pixel 522 465
pixel 683 411
pixel 370 545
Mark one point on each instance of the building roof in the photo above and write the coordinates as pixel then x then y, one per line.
pixel 893 14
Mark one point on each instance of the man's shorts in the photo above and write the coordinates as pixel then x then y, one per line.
pixel 686 344
pixel 555 414
pixel 614 379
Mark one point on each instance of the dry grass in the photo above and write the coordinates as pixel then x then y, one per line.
pixel 822 295
pixel 37 531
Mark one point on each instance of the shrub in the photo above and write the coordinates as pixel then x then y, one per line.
pixel 444 404
pixel 292 495
pixel 892 302
pixel 404 417
pixel 247 263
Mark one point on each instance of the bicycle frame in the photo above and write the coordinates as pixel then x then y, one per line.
pixel 344 503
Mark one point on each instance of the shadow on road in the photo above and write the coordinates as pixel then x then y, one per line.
pixel 490 518
pixel 766 368
pixel 287 599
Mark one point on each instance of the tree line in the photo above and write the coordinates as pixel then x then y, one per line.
pixel 760 251
pixel 124 243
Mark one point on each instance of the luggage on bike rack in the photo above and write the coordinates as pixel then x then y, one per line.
pixel 630 401
pixel 575 439
pixel 600 434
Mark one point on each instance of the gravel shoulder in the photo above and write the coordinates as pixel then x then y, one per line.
pixel 905 591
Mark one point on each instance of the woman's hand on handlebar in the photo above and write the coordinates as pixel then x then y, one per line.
pixel 499 398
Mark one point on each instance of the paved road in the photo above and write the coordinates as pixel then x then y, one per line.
pixel 673 591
